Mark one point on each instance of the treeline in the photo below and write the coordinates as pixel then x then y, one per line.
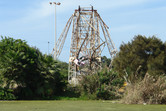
pixel 26 73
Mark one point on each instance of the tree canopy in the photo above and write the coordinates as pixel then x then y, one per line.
pixel 139 56
pixel 26 70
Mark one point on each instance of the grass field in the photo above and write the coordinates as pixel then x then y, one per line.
pixel 75 106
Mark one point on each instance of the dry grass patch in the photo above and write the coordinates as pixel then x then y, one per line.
pixel 148 91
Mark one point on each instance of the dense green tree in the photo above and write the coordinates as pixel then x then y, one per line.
pixel 139 56
pixel 105 61
pixel 63 66
pixel 25 69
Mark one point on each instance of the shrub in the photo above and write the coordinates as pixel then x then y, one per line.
pixel 6 94
pixel 150 91
pixel 102 85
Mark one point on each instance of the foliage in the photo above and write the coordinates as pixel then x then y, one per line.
pixel 102 85
pixel 139 56
pixel 150 90
pixel 31 74
pixel 105 61
pixel 6 94
pixel 63 70
pixel 1 80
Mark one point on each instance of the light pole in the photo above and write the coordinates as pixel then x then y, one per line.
pixel 48 47
pixel 55 28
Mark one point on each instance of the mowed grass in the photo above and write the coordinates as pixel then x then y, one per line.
pixel 75 106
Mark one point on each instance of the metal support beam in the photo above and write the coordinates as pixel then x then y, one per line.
pixel 86 42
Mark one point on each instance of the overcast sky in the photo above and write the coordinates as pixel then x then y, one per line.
pixel 33 20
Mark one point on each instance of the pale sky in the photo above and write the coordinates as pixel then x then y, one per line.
pixel 33 20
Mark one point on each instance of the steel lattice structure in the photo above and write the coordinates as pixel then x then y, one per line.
pixel 86 42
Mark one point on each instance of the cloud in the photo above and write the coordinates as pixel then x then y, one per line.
pixel 114 4
pixel 68 5
pixel 43 9
pixel 127 3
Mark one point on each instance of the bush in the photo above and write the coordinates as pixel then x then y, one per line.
pixel 71 92
pixel 108 92
pixel 6 94
pixel 150 91
pixel 102 85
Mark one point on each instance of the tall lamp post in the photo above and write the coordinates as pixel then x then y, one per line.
pixel 54 3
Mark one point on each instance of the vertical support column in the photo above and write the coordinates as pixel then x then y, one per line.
pixel 55 53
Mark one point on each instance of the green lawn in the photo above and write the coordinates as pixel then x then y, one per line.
pixel 75 106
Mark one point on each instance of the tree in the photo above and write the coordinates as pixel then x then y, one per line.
pixel 31 74
pixel 139 56
pixel 105 61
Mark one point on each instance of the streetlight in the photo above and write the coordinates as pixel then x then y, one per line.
pixel 48 47
pixel 54 3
